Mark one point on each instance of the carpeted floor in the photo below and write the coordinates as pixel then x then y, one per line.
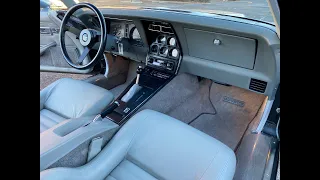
pixel 46 78
pixel 222 112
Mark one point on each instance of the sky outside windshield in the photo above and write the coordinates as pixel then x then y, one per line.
pixel 252 9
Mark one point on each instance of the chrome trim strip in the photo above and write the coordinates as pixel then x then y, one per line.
pixel 160 27
pixel 264 117
pixel 270 160
pixel 107 66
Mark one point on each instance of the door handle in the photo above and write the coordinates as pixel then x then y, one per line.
pixel 46 47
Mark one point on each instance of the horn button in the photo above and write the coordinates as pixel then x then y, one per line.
pixel 85 37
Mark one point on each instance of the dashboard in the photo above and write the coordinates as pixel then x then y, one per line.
pixel 226 49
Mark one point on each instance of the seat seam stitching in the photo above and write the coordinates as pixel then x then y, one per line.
pixel 49 120
pixel 140 168
pixel 133 137
pixel 210 164
pixel 224 168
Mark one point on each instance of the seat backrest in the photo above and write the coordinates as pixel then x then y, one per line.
pixel 74 98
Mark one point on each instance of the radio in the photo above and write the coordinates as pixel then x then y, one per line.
pixel 161 63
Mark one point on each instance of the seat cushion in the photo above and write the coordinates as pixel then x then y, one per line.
pixel 152 145
pixel 68 98
pixel 128 170
pixel 49 119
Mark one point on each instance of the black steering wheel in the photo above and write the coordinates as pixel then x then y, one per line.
pixel 87 37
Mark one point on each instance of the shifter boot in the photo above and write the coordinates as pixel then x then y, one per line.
pixel 132 91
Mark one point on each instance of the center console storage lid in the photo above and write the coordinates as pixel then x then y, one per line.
pixel 61 139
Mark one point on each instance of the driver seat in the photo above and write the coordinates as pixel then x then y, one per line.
pixel 68 98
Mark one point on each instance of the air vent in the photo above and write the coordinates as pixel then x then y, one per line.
pixel 258 85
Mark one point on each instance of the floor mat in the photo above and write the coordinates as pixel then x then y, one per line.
pixel 222 112
pixel 236 107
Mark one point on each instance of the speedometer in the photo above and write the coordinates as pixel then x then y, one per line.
pixel 134 34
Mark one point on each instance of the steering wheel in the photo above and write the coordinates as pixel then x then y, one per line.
pixel 87 37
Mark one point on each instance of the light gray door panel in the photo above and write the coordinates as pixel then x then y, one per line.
pixel 51 58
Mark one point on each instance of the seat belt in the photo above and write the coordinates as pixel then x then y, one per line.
pixel 94 148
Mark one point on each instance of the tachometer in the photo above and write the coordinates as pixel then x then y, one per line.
pixel 134 34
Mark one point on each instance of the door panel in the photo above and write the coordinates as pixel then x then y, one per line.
pixel 52 59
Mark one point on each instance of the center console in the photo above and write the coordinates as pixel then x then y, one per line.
pixel 162 64
pixel 164 52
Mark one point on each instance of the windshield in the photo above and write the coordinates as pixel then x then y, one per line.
pixel 249 9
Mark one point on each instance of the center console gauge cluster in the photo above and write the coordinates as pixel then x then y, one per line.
pixel 164 51
pixel 165 46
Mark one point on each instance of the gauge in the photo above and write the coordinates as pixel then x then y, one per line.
pixel 172 41
pixel 154 49
pixel 164 51
pixel 174 53
pixel 117 30
pixel 134 34
pixel 161 39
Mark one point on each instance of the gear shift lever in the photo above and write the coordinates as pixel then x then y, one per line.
pixel 139 71
pixel 135 87
pixel 132 91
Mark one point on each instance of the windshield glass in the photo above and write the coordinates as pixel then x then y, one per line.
pixel 250 9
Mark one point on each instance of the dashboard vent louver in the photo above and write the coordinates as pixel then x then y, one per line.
pixel 258 85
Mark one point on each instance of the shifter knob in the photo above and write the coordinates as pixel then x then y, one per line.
pixel 139 71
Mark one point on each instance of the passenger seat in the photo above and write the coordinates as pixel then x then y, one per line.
pixel 152 146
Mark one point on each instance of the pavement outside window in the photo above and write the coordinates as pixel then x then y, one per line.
pixel 46 78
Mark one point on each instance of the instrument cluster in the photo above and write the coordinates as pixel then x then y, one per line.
pixel 124 29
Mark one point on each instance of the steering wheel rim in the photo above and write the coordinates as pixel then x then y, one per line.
pixel 103 36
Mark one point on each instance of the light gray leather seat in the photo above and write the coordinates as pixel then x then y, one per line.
pixel 68 98
pixel 152 145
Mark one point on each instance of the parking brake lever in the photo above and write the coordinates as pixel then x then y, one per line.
pixel 107 111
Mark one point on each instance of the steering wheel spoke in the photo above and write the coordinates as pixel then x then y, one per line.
pixel 88 37
pixel 83 55
pixel 75 31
